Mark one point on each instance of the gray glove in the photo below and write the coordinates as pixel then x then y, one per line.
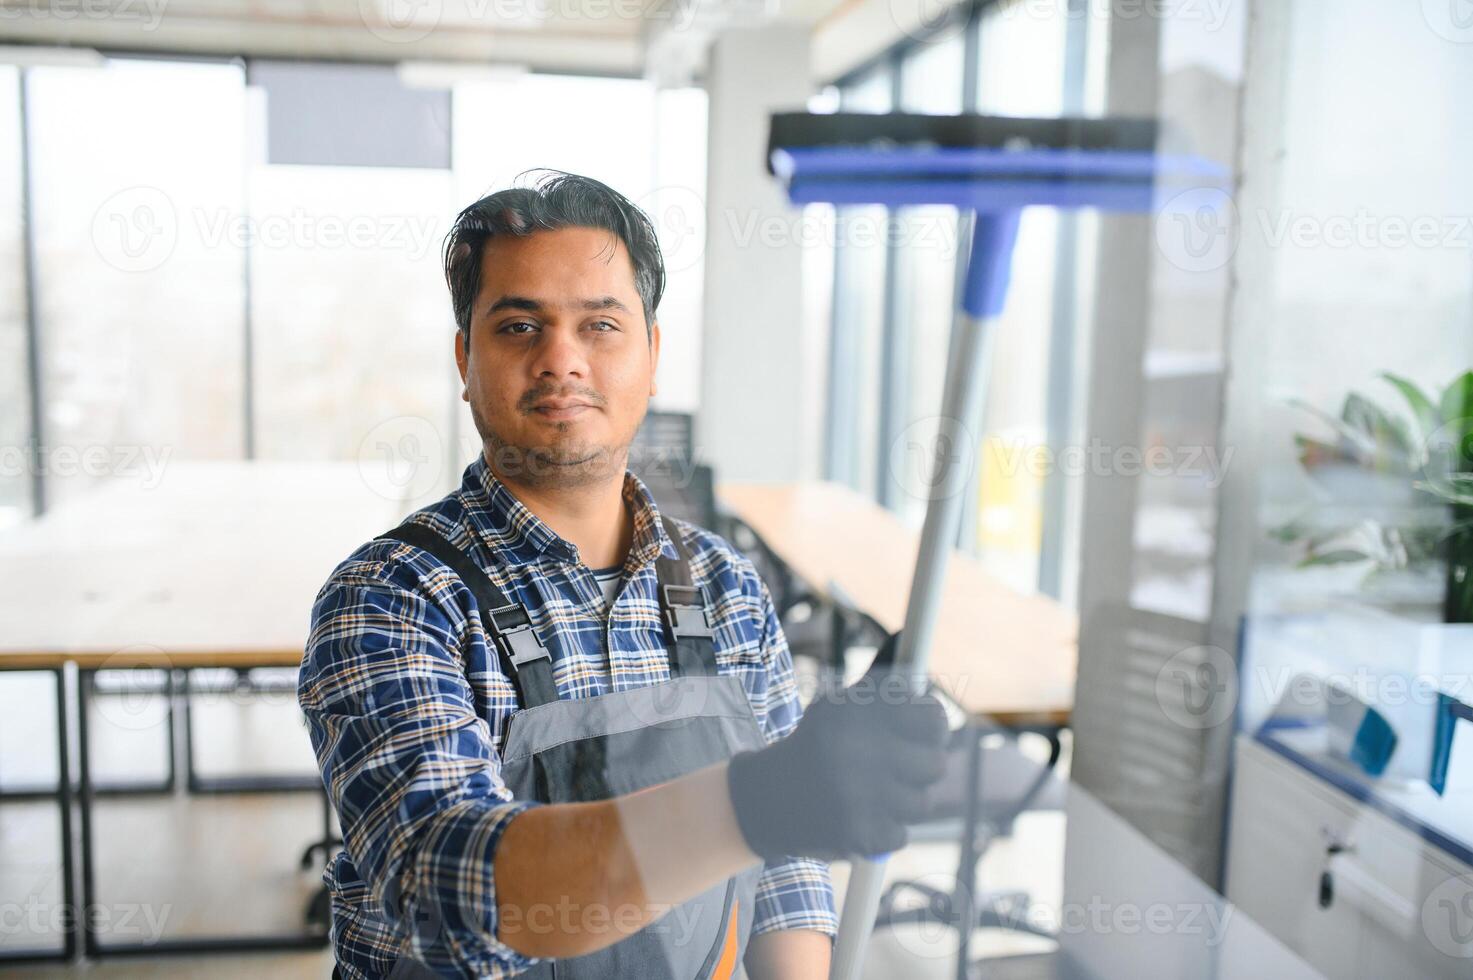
pixel 848 779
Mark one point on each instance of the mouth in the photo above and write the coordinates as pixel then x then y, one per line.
pixel 560 410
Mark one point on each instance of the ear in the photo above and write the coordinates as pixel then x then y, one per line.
pixel 461 358
pixel 461 362
pixel 654 355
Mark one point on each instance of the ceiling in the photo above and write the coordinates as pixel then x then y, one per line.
pixel 602 36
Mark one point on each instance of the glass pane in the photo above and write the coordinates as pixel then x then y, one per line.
pixel 1365 238
pixel 870 93
pixel 353 327
pixel 1176 510
pixel 679 212
pixel 859 315
pixel 925 288
pixel 1353 291
pixel 139 275
pixel 599 127
pixel 1020 58
pixel 15 411
pixel 1020 72
pixel 931 77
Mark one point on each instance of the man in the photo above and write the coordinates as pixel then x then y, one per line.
pixel 535 762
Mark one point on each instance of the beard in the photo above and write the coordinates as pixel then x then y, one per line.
pixel 566 464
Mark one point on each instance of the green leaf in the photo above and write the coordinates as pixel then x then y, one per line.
pixel 1455 489
pixel 1313 452
pixel 1457 399
pixel 1289 532
pixel 1340 556
pixel 1426 414
pixel 1354 443
pixel 1393 442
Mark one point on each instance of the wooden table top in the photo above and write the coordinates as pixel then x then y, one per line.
pixel 217 566
pixel 998 653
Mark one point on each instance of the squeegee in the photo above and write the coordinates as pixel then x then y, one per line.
pixel 994 167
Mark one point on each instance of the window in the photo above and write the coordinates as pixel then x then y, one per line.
pixel 139 282
pixel 1020 72
pixel 201 299
pixel 924 297
pixel 352 326
pixel 895 296
pixel 860 264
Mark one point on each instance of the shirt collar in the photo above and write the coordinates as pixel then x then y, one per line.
pixel 518 536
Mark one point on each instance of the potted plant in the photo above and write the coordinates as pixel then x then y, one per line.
pixel 1399 488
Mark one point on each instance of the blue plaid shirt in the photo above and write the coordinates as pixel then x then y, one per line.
pixel 407 708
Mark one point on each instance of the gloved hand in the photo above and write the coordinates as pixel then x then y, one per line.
pixel 848 779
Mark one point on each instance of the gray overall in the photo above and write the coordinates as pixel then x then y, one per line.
pixel 578 750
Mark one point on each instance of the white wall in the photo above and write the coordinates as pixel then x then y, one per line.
pixel 754 421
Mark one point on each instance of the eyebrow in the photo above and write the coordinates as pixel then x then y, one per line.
pixel 529 305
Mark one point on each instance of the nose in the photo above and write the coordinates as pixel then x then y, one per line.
pixel 560 356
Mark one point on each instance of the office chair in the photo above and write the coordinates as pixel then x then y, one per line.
pixel 1003 784
pixel 688 493
pixel 662 437
pixel 821 629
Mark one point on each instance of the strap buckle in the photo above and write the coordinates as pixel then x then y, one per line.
pixel 685 612
pixel 515 636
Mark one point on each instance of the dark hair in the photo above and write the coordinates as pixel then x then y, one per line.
pixel 555 200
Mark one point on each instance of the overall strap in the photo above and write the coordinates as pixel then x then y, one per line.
pixel 523 657
pixel 688 632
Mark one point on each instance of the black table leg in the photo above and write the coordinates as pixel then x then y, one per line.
pixel 85 679
pixel 963 905
pixel 64 800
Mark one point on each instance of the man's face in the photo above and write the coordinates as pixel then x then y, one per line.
pixel 560 367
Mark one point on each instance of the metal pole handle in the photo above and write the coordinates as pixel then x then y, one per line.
pixel 986 290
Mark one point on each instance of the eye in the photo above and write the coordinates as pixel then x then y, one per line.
pixel 603 326
pixel 512 328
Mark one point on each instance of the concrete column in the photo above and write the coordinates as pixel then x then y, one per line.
pixel 753 422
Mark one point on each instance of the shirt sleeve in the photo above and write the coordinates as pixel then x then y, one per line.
pixel 409 767
pixel 796 893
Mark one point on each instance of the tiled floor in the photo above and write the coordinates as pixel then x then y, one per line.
pixel 198 865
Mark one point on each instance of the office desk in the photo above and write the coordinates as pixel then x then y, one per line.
pixel 216 566
pixel 998 653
